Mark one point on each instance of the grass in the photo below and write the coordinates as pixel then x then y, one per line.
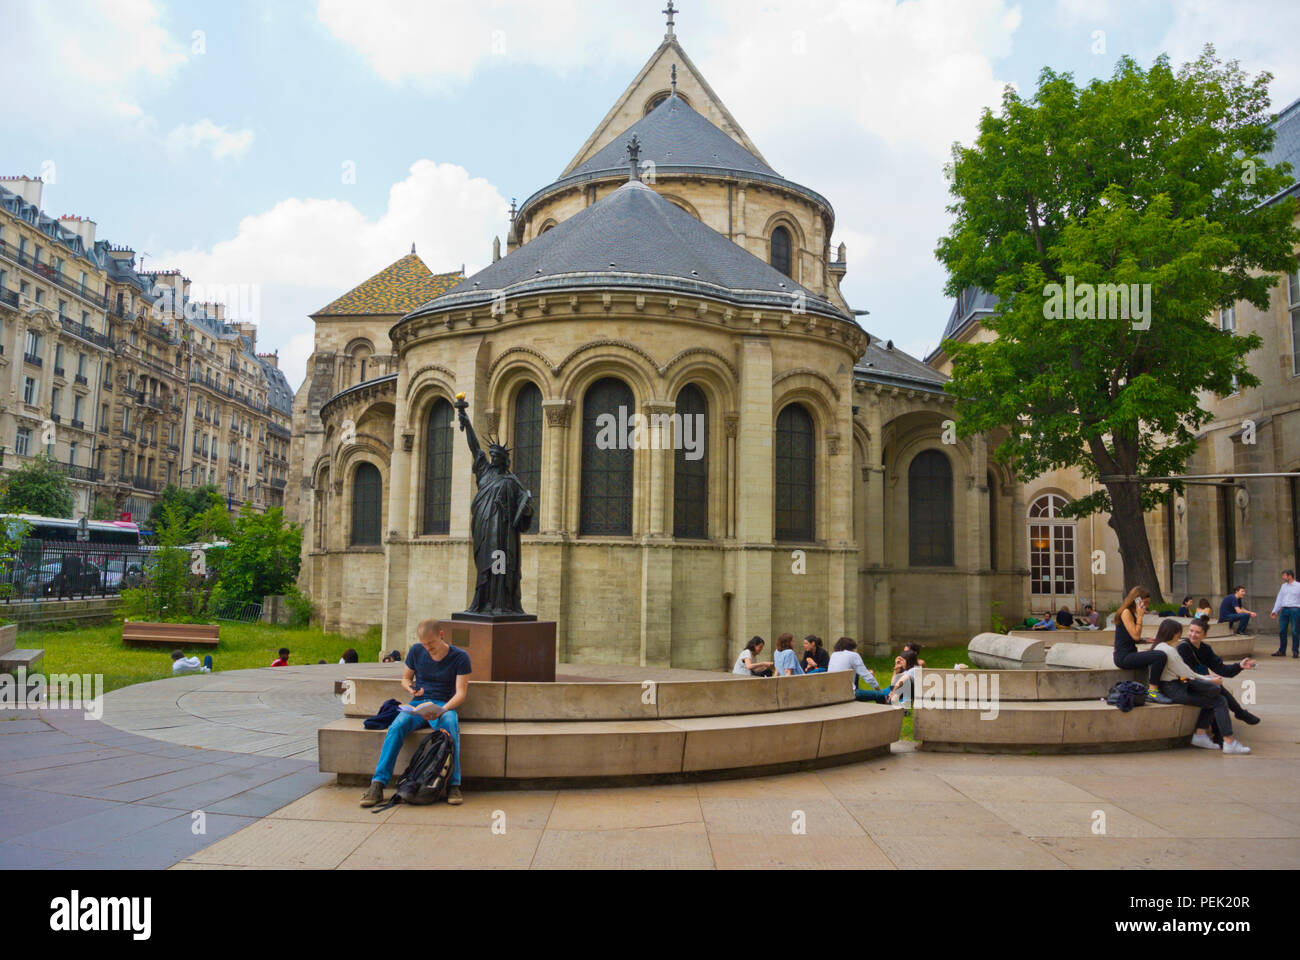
pixel 940 658
pixel 99 649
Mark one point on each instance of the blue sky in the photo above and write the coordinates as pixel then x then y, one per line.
pixel 217 138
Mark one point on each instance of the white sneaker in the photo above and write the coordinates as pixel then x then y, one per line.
pixel 1203 740
pixel 1236 746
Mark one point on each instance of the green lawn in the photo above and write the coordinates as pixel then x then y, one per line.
pixel 938 657
pixel 243 645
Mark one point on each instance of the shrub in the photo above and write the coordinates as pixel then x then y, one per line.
pixel 301 610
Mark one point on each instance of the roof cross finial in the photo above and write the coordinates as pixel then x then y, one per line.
pixel 513 210
pixel 634 155
pixel 670 10
pixel 674 79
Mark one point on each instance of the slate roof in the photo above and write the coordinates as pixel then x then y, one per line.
pixel 674 134
pixel 634 238
pixel 278 394
pixel 885 363
pixel 969 307
pixel 1286 148
pixel 396 290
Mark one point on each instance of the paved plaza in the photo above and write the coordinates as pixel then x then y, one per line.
pixel 240 749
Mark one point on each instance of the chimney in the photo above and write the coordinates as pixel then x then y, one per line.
pixel 272 359
pixel 29 188
pixel 83 228
pixel 249 330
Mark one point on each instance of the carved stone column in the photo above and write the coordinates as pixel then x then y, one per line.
pixel 555 440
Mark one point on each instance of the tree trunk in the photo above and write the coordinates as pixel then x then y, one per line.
pixel 1129 524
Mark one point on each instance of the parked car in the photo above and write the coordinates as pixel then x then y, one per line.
pixel 70 575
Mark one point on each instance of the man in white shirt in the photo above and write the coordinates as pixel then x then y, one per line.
pixel 1286 609
pixel 182 664
pixel 846 658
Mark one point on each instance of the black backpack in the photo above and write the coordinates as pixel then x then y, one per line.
pixel 426 778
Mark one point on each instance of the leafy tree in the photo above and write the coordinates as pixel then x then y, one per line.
pixel 1149 177
pixel 172 591
pixel 103 510
pixel 192 502
pixel 38 487
pixel 263 557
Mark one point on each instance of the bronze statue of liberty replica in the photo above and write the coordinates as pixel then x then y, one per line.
pixel 502 509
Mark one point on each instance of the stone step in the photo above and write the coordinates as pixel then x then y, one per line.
pixel 1062 726
pixel 660 700
pixel 1030 684
pixel 13 659
pixel 636 750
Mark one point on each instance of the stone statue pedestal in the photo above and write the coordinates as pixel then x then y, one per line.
pixel 504 650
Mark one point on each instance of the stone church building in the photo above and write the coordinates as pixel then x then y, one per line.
pixel 668 272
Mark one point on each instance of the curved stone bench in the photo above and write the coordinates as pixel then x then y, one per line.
pixel 556 753
pixel 1151 623
pixel 1074 726
pixel 998 651
pixel 659 700
pixel 1031 685
pixel 1082 656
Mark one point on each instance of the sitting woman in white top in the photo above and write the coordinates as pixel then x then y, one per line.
pixel 846 658
pixel 787 661
pixel 747 664
pixel 1181 684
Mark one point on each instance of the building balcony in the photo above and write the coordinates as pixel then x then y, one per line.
pixel 78 329
pixel 75 471
pixel 56 418
pixel 78 424
pixel 108 385
pixel 103 428
pixel 58 371
pixel 9 298
pixel 80 380
pixel 145 483
pixel 11 253
pixel 32 358
pixel 129 434
pixel 279 484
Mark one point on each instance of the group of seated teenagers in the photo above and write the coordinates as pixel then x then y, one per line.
pixel 1183 671
pixel 845 658
pixel 1090 619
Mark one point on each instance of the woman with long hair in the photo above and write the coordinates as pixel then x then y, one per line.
pixel 747 664
pixel 1128 634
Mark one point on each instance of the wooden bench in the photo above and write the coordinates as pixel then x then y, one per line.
pixel 171 635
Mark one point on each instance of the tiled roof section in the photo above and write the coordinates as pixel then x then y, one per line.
pixel 972 304
pixel 396 290
pixel 1286 148
pixel 635 238
pixel 885 363
pixel 278 394
pixel 49 226
pixel 673 134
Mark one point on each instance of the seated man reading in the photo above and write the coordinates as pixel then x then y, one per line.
pixel 437 677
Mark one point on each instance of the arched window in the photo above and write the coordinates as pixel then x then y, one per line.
pixel 606 502
pixel 929 510
pixel 367 506
pixel 527 438
pixel 691 469
pixel 1051 548
pixel 438 437
pixel 781 250
pixel 795 449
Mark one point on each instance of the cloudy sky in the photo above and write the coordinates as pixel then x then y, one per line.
pixel 299 147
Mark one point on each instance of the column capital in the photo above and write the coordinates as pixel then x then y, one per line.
pixel 558 412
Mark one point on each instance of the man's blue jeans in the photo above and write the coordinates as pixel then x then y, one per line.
pixel 1238 620
pixel 404 724
pixel 1289 617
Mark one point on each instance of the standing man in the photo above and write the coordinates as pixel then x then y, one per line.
pixel 1231 610
pixel 1286 609
pixel 437 678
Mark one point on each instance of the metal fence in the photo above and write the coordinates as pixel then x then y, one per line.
pixel 71 571
pixel 240 612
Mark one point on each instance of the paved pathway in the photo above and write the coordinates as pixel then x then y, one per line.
pixel 121 792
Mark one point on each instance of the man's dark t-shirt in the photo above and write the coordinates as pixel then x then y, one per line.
pixel 819 656
pixel 437 677
pixel 1228 607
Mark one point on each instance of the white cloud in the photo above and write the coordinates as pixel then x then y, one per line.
pixel 438 45
pixel 95 61
pixel 206 135
pixel 302 253
pixel 1260 33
